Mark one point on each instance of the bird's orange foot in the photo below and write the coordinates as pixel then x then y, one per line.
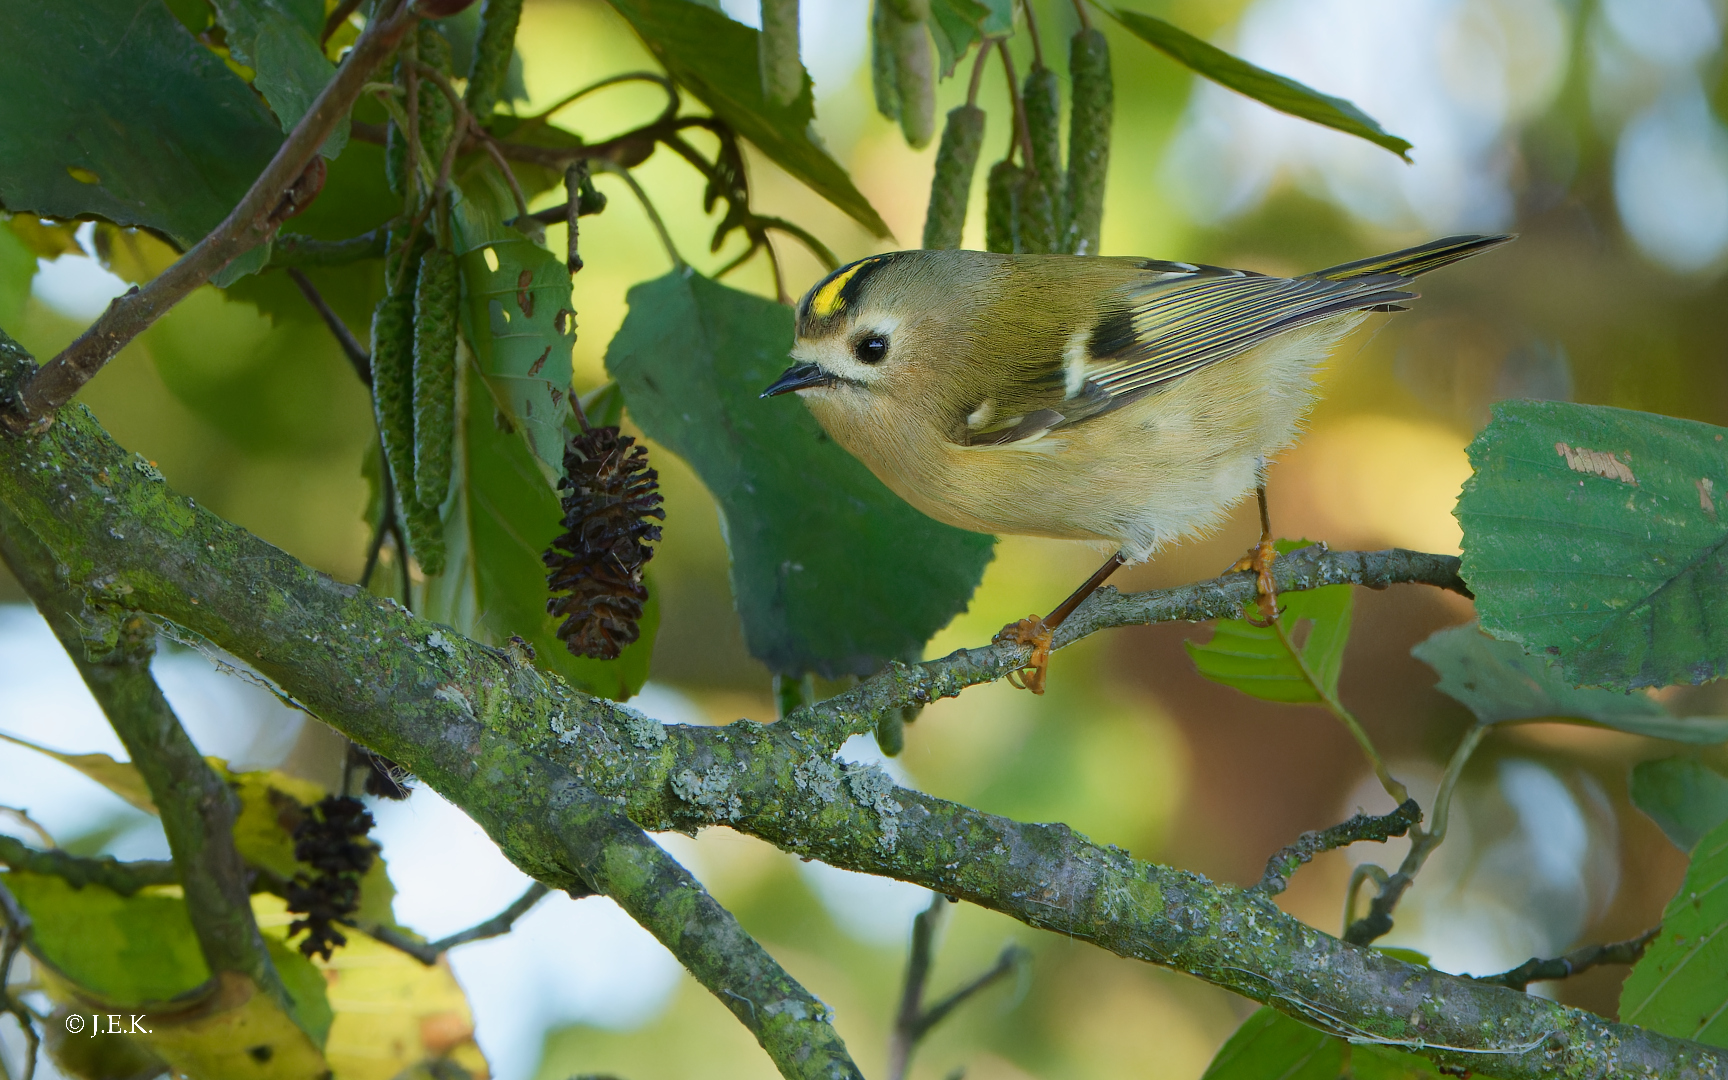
pixel 1028 631
pixel 1259 559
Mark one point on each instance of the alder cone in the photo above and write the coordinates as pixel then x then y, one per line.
pixel 609 495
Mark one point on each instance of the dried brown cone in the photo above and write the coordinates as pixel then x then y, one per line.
pixel 609 495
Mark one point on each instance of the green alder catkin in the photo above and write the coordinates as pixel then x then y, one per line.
pixel 777 52
pixel 1042 220
pixel 1088 139
pixel 492 52
pixel 884 79
pixel 1003 192
pixel 951 187
pixel 435 115
pixel 915 74
pixel 393 401
pixel 436 295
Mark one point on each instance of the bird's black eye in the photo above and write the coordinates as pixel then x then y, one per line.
pixel 871 350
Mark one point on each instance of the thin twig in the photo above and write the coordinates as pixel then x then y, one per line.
pixel 1080 10
pixel 491 146
pixel 124 878
pixel 671 88
pixel 1400 794
pixel 1022 132
pixel 1360 827
pixel 251 222
pixel 1378 922
pixel 17 929
pixel 351 347
pixel 1564 967
pixel 337 18
pixel 606 166
pixel 429 952
pixel 1032 32
pixel 574 177
pixel 978 72
pixel 779 278
pixel 913 1021
pixel 386 522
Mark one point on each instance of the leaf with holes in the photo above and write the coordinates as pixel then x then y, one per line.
pixel 715 58
pixel 521 325
pixel 1499 681
pixel 1254 660
pixel 159 133
pixel 1274 91
pixel 1680 987
pixel 1600 536
pixel 1683 795
pixel 500 517
pixel 831 572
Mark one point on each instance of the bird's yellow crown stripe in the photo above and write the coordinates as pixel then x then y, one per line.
pixel 827 299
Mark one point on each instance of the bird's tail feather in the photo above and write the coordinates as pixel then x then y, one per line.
pixel 1412 262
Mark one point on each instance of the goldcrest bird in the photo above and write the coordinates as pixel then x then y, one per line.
pixel 1123 401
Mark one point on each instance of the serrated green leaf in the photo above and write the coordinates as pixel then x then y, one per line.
pixel 716 59
pixel 1274 91
pixel 1253 660
pixel 1498 681
pixel 1600 536
pixel 957 25
pixel 120 777
pixel 278 39
pixel 1680 987
pixel 1683 795
pixel 159 133
pixel 831 572
pixel 1272 1046
pixel 499 520
pixel 521 325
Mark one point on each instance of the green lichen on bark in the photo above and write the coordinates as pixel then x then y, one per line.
pixel 564 783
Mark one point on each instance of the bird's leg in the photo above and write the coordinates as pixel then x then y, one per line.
pixel 1259 559
pixel 1037 632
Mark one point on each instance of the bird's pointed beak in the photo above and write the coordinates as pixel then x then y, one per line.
pixel 799 377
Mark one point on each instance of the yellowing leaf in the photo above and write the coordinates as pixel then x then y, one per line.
pixel 117 776
pixel 391 1011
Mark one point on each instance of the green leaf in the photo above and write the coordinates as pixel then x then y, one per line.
pixel 831 572
pixel 1683 795
pixel 715 59
pixel 502 516
pixel 1680 987
pixel 521 325
pixel 1600 536
pixel 1498 681
pixel 1253 659
pixel 1275 91
pixel 117 776
pixel 128 949
pixel 1272 1046
pixel 278 39
pixel 957 25
pixel 159 133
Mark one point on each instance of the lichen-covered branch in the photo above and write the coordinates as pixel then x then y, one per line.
pixel 1537 969
pixel 124 878
pixel 112 650
pixel 832 721
pixel 565 783
pixel 1360 827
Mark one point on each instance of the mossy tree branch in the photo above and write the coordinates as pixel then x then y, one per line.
pixel 565 783
pixel 112 650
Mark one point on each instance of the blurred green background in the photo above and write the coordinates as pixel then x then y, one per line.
pixel 1592 129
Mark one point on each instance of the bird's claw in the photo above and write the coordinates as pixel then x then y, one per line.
pixel 1028 631
pixel 1259 559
